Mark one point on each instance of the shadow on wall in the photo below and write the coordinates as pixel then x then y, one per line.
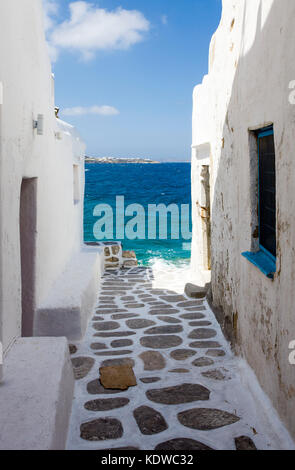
pixel 257 313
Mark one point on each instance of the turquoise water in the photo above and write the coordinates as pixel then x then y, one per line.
pixel 165 183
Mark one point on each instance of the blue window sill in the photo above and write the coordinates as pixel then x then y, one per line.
pixel 266 263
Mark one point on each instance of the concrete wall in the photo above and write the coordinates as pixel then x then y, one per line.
pixel 251 64
pixel 28 90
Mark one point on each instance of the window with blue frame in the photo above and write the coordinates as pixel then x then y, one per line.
pixel 267 191
pixel 265 257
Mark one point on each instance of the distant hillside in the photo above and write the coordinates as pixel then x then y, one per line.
pixel 118 160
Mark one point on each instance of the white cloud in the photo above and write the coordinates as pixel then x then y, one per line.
pixel 50 8
pixel 82 110
pixel 90 29
pixel 164 19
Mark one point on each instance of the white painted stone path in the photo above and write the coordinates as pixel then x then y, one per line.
pixel 236 393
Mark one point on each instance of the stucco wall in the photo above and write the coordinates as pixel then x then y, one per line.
pixel 28 90
pixel 250 67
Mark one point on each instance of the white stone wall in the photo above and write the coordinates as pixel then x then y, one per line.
pixel 251 64
pixel 28 90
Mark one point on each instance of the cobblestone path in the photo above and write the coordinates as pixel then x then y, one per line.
pixel 189 392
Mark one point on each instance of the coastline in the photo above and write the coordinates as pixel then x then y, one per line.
pixel 104 160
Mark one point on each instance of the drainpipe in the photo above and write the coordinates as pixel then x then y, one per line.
pixel 1 225
pixel 205 215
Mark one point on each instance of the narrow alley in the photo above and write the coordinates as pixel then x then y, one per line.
pixel 191 392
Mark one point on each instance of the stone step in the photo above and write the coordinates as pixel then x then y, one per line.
pixel 196 292
pixel 114 256
pixel 36 395
pixel 129 259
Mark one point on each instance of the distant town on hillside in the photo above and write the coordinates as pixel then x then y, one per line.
pixel 118 160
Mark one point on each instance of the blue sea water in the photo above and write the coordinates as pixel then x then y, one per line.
pixel 164 183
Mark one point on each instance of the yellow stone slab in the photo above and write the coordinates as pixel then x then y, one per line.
pixel 117 377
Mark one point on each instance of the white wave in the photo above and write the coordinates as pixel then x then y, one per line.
pixel 170 275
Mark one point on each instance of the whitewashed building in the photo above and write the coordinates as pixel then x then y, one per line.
pixel 48 278
pixel 243 175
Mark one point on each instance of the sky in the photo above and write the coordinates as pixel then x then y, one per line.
pixel 125 71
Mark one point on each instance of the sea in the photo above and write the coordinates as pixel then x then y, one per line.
pixel 144 184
